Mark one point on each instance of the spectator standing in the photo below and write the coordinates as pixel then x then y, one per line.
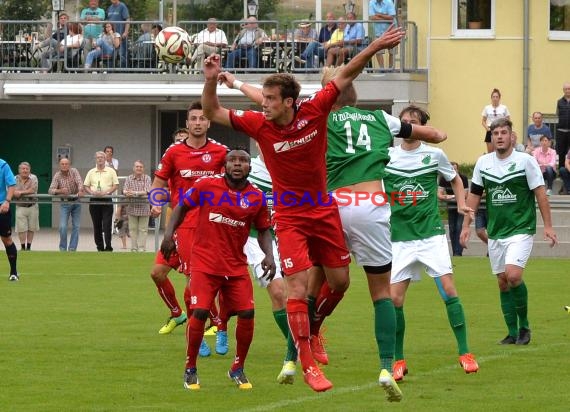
pixel 110 161
pixel 67 182
pixel 27 214
pixel 535 131
pixel 352 42
pixel 317 48
pixel 246 44
pixel 383 12
pixel 454 218
pixel 100 182
pixel 492 112
pixel 546 158
pixel 563 126
pixel 7 188
pixel 88 16
pixel 208 41
pixel 137 187
pixel 119 12
pixel 565 175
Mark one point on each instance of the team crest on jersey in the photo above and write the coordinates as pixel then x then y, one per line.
pixel 244 203
pixel 239 113
pixel 206 157
pixel 302 123
pixel 426 159
pixel 511 167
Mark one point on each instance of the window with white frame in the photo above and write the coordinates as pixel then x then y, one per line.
pixel 473 18
pixel 559 28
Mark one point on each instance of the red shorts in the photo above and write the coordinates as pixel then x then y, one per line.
pixel 316 236
pixel 180 259
pixel 235 291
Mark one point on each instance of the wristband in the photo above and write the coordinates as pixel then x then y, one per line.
pixel 237 85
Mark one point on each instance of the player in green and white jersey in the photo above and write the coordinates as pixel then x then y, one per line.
pixel 418 235
pixel 276 289
pixel 511 181
pixel 358 142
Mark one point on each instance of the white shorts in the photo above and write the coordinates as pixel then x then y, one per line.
pixel 410 257
pixel 254 257
pixel 366 228
pixel 514 250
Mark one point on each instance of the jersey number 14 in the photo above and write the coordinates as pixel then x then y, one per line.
pixel 363 137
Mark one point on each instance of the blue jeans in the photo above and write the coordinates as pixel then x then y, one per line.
pixel 455 222
pixel 236 55
pixel 313 49
pixel 549 175
pixel 66 210
pixel 105 50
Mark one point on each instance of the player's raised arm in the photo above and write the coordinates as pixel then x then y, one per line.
pixel 210 102
pixel 428 134
pixel 390 39
pixel 250 91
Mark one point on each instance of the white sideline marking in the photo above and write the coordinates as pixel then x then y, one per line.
pixel 79 274
pixel 358 388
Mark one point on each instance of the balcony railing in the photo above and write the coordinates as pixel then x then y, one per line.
pixel 34 46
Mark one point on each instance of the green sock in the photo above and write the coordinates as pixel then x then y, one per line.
pixel 400 330
pixel 281 320
pixel 509 312
pixel 457 321
pixel 385 331
pixel 520 299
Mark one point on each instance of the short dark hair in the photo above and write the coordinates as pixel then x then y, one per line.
pixel 197 105
pixel 288 85
pixel 109 147
pixel 501 122
pixel 416 111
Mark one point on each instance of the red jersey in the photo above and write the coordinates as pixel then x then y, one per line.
pixel 295 154
pixel 181 165
pixel 223 224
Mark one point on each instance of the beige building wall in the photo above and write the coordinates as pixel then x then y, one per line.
pixel 462 72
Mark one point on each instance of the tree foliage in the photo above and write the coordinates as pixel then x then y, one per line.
pixel 24 9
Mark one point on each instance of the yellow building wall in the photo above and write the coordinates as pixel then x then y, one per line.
pixel 462 72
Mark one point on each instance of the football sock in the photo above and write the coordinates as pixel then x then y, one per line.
pixel 385 331
pixel 327 300
pixel 168 295
pixel 509 312
pixel 244 336
pixel 281 320
pixel 29 246
pixel 298 319
pixel 194 336
pixel 457 321
pixel 520 298
pixel 400 330
pixel 12 253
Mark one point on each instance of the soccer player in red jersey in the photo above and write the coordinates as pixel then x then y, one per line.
pixel 182 164
pixel 292 136
pixel 226 207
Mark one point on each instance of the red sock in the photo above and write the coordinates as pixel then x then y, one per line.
pixel 324 306
pixel 187 298
pixel 168 295
pixel 244 336
pixel 298 319
pixel 194 336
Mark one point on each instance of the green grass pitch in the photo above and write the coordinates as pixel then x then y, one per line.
pixel 79 333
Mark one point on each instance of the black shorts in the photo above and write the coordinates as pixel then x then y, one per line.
pixel 488 137
pixel 6 224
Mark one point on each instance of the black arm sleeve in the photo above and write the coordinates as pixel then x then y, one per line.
pixel 476 189
pixel 405 131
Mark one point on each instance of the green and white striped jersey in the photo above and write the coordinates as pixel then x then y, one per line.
pixel 259 176
pixel 411 187
pixel 509 185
